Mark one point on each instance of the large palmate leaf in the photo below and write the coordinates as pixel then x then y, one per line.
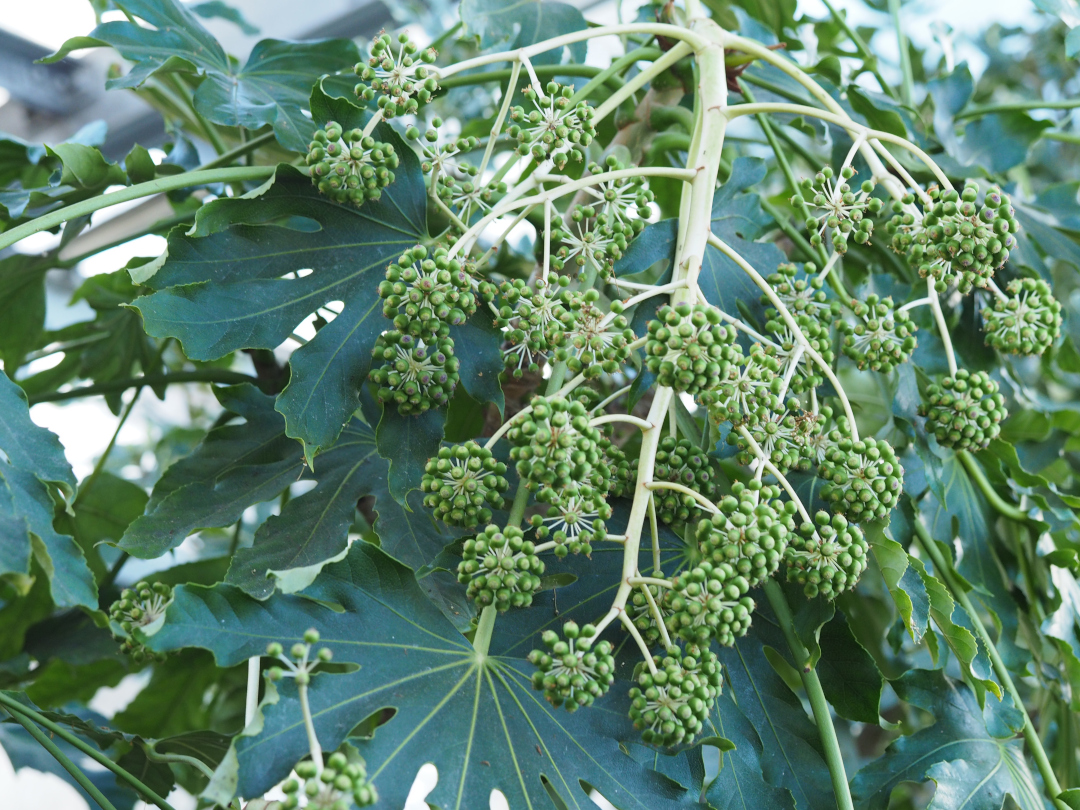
pixel 238 466
pixel 964 514
pixel 226 287
pixel 737 218
pixel 271 88
pixel 972 754
pixel 28 446
pixel 517 23
pixel 475 716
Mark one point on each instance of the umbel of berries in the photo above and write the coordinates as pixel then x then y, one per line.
pixel 337 787
pixel 591 341
pixel 350 167
pixel 826 557
pixel 964 411
pixel 555 128
pixel 463 483
pixel 863 479
pixel 1027 320
pixel 574 520
pixel 400 79
pixel 843 211
pixel 802 295
pixel 670 704
pixel 500 568
pixel 689 348
pixel 680 461
pixel 141 607
pixel 413 375
pixel 575 669
pixel 553 444
pixel 750 533
pixel 709 601
pixel 425 295
pixel 882 338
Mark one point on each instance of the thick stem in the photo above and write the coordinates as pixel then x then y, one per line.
pixel 818 704
pixel 69 766
pixel 51 220
pixel 254 680
pixel 482 639
pixel 309 726
pixel 17 708
pixel 246 148
pixel 1031 735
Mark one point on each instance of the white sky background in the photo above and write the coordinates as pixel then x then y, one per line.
pixel 85 427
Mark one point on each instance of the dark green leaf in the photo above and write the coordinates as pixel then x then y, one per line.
pixel 974 768
pixel 501 24
pixel 28 446
pixel 476 718
pixel 224 288
pixel 271 88
pixel 408 442
pixel 849 676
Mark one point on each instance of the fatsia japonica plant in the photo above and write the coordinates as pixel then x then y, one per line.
pixel 691 429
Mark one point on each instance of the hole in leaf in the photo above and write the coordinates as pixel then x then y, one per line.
pixel 365 729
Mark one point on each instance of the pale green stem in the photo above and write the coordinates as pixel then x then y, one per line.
pixel 999 503
pixel 620 417
pixel 496 128
pixel 685 490
pixel 943 328
pixel 197 764
pixel 1031 735
pixel 254 678
pixel 869 59
pixel 907 87
pixel 482 639
pixel 309 727
pixel 660 583
pixel 157 186
pixel 631 628
pixel 789 320
pixel 820 707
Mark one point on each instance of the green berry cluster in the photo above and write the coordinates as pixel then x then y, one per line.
pixel 964 411
pixel 690 349
pixel 530 320
pixel 552 445
pixel 414 376
pixel 590 340
pixel 680 461
pixel 574 520
pixel 500 568
pixel 802 295
pixel 882 338
pixel 622 203
pixel 708 602
pixel 425 294
pixel 350 167
pixel 750 532
pixel 826 557
pixel 402 80
pixel 781 434
pixel 843 210
pixel 556 128
pixel 337 787
pixel 798 367
pixel 463 483
pixel 300 664
pixel 863 479
pixel 956 241
pixel 1026 321
pixel 671 704
pixel 752 386
pixel 572 672
pixel 641 613
pixel 589 242
pixel 141 607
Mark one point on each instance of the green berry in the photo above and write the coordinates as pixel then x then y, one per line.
pixel 396 76
pixel 554 128
pixel 424 295
pixel 553 446
pixel 350 167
